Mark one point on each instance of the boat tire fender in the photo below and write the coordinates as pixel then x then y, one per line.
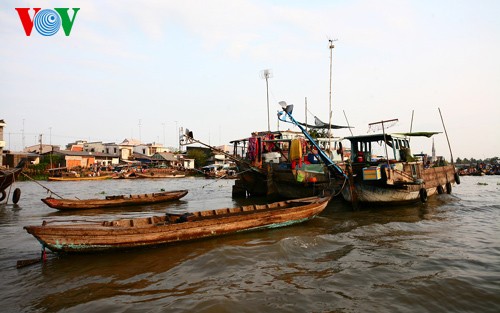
pixel 448 187
pixel 457 178
pixel 423 195
pixel 440 189
pixel 16 196
pixel 3 195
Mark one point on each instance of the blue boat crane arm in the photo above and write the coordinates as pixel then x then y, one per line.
pixel 287 112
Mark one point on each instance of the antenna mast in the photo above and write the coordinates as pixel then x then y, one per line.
pixel 330 46
pixel 266 74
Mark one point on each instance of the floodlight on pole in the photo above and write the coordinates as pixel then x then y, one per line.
pixel 266 74
pixel 330 46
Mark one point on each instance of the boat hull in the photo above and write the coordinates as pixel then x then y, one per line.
pixel 78 178
pixel 7 177
pixel 157 230
pixel 114 201
pixel 434 181
pixel 275 181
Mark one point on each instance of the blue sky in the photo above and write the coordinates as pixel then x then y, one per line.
pixel 142 68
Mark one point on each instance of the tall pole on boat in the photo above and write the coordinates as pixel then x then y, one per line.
pixel 266 74
pixel 411 124
pixel 330 46
pixel 305 112
pixel 446 133
pixel 348 123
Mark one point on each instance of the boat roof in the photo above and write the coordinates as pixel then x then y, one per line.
pixel 379 137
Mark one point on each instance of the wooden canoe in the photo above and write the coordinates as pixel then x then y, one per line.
pixel 114 201
pixel 51 178
pixel 173 228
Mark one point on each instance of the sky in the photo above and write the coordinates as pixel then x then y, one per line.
pixel 143 69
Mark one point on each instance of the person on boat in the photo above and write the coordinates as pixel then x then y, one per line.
pixel 312 157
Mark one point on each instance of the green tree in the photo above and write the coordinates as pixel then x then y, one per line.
pixel 200 158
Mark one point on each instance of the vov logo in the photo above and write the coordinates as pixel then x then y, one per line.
pixel 47 22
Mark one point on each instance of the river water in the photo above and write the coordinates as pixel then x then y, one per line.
pixel 442 256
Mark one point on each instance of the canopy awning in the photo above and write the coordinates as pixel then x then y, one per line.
pixel 319 124
pixel 420 134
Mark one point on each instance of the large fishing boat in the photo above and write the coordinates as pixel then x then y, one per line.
pixel 394 178
pixel 397 176
pixel 282 164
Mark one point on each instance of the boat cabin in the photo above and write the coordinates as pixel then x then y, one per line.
pixel 379 148
pixel 278 147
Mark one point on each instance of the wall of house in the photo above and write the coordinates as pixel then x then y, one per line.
pixel 94 147
pixel 188 163
pixel 125 153
pixel 75 161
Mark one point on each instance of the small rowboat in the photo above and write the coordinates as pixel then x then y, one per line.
pixel 114 201
pixel 173 228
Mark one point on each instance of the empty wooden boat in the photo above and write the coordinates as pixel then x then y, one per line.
pixel 172 228
pixel 114 201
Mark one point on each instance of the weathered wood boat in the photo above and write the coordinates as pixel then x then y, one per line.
pixel 173 228
pixel 398 177
pixel 160 175
pixel 81 178
pixel 114 201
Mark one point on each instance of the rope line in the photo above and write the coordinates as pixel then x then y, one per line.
pixel 48 190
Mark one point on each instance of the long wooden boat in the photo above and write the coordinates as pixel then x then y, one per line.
pixel 173 228
pixel 160 175
pixel 114 201
pixel 51 178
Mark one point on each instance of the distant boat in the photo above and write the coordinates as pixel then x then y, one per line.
pixel 114 201
pixel 69 178
pixel 160 175
pixel 219 171
pixel 172 228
